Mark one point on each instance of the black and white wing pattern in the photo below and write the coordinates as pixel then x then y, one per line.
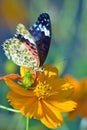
pixel 41 31
pixel 30 48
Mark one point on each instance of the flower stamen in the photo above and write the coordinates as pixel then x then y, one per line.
pixel 42 90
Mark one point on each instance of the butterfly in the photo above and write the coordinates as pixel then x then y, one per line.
pixel 30 48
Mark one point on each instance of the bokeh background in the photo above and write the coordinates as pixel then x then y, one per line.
pixel 68 50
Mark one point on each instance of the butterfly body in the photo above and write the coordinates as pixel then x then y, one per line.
pixel 30 48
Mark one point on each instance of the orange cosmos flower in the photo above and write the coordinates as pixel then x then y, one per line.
pixel 47 97
pixel 79 96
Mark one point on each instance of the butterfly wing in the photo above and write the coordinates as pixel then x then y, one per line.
pixel 41 31
pixel 30 48
pixel 22 49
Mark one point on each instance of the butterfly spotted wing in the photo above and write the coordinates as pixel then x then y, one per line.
pixel 41 31
pixel 30 48
pixel 16 49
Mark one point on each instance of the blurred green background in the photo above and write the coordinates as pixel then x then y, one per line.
pixel 68 50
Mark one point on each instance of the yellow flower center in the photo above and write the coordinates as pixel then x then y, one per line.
pixel 42 90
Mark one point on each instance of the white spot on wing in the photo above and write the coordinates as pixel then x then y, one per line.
pixel 45 30
pixel 38 29
pixel 35 25
pixel 45 19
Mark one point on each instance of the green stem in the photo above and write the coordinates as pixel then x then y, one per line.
pixel 8 109
pixel 27 123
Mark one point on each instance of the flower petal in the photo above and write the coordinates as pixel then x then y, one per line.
pixel 82 106
pixel 62 105
pixel 66 106
pixel 28 106
pixel 52 117
pixel 11 76
pixel 50 71
pixel 76 86
pixel 20 102
pixel 33 108
pixel 17 88
pixel 83 91
pixel 39 110
pixel 47 121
